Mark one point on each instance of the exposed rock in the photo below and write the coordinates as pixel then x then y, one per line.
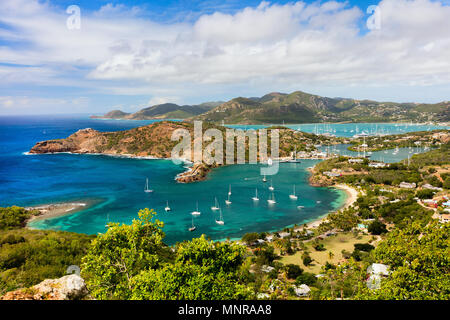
pixel 71 287
pixel 197 173
pixel 83 141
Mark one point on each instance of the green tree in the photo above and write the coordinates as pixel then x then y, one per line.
pixel 250 238
pixel 377 227
pixel 418 257
pixel 115 257
pixel 203 270
pixel 293 271
pixel 307 260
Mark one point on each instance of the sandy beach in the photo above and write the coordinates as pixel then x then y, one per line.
pixel 352 195
pixel 56 210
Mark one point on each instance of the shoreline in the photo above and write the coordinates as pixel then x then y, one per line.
pixel 352 196
pixel 54 210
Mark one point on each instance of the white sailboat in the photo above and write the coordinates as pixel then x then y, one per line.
pixel 229 190
pixel 255 198
pixel 264 179
pixel 271 188
pixel 146 189
pixel 196 212
pixel 272 200
pixel 220 221
pixel 228 201
pixel 167 208
pixel 293 195
pixel 193 226
pixel 216 205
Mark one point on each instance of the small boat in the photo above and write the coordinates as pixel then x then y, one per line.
pixel 255 198
pixel 146 189
pixel 271 188
pixel 228 201
pixel 216 205
pixel 220 221
pixel 264 179
pixel 318 201
pixel 167 208
pixel 272 200
pixel 293 196
pixel 196 213
pixel 300 207
pixel 229 190
pixel 193 227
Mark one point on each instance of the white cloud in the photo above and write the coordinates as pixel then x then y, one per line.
pixel 160 100
pixel 286 46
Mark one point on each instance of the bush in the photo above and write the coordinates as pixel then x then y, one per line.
pixel 293 271
pixel 13 217
pixel 356 255
pixel 250 238
pixel 306 259
pixel 319 247
pixel 12 239
pixel 425 194
pixel 377 227
pixel 364 247
pixel 306 278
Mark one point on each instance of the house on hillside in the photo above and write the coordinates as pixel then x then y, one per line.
pixel 430 187
pixel 376 272
pixel 302 290
pixel 444 218
pixel 377 165
pixel 332 174
pixel 407 185
pixel 355 160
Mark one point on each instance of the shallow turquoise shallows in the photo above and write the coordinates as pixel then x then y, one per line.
pixel 114 187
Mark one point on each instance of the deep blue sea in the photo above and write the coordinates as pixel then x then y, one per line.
pixel 113 187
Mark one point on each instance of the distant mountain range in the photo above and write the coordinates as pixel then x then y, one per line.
pixel 162 111
pixel 297 107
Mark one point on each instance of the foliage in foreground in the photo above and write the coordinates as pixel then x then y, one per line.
pixel 420 259
pixel 132 262
pixel 28 257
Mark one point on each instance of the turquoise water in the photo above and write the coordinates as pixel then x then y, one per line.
pixel 119 191
pixel 114 186
pixel 351 129
pixel 388 156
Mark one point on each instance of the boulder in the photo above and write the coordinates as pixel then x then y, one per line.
pixel 71 287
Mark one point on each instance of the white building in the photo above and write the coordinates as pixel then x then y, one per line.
pixel 302 290
pixel 377 165
pixel 407 185
pixel 376 272
pixel 355 160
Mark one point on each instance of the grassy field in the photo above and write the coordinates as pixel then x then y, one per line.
pixel 335 244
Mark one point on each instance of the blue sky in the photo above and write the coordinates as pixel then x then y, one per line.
pixel 131 54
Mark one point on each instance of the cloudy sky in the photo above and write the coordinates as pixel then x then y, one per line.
pixel 128 54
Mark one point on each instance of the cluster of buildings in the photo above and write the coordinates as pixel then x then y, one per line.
pixel 407 185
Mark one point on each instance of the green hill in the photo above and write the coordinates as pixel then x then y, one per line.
pixel 301 107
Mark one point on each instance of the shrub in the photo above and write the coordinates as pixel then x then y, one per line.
pixel 293 271
pixel 306 259
pixel 364 247
pixel 377 227
pixel 306 278
pixel 319 247
pixel 425 194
